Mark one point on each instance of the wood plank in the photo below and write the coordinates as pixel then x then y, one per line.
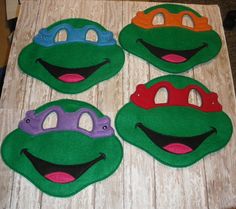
pixel 220 167
pixel 13 98
pixel 139 182
pixel 25 194
pixel 109 193
pixel 36 92
pixel 14 85
pixel 9 121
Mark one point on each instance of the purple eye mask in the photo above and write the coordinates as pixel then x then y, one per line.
pixel 33 123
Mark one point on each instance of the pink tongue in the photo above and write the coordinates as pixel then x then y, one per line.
pixel 178 148
pixel 60 177
pixel 71 78
pixel 174 58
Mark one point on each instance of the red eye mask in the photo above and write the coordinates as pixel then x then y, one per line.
pixel 145 97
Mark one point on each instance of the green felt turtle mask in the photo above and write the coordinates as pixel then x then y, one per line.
pixel 65 158
pixel 161 36
pixel 175 131
pixel 76 63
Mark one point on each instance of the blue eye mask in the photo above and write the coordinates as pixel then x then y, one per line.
pixel 46 37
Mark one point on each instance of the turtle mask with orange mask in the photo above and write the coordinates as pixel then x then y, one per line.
pixel 173 38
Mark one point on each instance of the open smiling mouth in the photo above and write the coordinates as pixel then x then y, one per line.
pixel 173 56
pixel 70 75
pixel 174 144
pixel 61 174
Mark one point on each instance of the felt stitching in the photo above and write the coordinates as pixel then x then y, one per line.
pixel 163 140
pixel 170 48
pixel 162 53
pixel 145 21
pixel 45 167
pixel 46 37
pixel 177 136
pixel 74 150
pixel 72 64
pixel 58 71
pixel 66 121
pixel 49 129
pixel 144 97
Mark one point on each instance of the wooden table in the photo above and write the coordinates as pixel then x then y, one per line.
pixel 140 182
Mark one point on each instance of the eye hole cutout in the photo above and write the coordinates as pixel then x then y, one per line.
pixel 161 96
pixel 188 21
pixel 61 36
pixel 158 19
pixel 50 121
pixel 194 98
pixel 85 122
pixel 92 36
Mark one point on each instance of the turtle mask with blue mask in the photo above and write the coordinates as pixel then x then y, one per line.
pixel 76 63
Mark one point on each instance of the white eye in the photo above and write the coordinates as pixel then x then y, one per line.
pixel 61 36
pixel 194 98
pixel 187 21
pixel 92 35
pixel 85 122
pixel 161 96
pixel 50 121
pixel 159 19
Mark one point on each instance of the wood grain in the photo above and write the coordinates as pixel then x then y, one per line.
pixel 140 182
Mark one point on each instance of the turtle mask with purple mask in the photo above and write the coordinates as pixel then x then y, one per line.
pixel 64 158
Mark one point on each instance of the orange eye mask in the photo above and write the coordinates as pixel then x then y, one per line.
pixel 171 20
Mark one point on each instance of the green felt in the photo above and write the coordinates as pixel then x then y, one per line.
pixel 72 55
pixel 64 147
pixel 170 38
pixel 175 121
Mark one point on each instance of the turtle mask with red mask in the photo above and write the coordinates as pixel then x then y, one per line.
pixel 177 132
pixel 171 43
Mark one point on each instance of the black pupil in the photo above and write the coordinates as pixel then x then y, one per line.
pixel 27 120
pixel 104 127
